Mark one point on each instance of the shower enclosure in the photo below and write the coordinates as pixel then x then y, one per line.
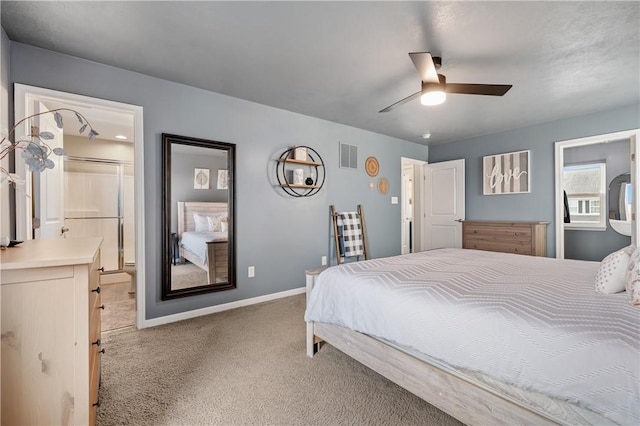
pixel 99 203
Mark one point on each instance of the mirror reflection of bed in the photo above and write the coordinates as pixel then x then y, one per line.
pixel 202 245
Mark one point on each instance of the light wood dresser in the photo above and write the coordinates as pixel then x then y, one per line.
pixel 50 300
pixel 528 238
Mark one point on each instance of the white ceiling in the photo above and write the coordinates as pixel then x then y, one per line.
pixel 345 61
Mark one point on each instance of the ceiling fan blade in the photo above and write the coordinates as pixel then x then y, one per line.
pixel 425 66
pixel 478 89
pixel 402 102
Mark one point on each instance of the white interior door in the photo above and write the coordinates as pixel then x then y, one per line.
pixel 444 204
pixel 49 185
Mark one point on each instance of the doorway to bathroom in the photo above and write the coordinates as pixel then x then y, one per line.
pixel 99 201
pixel 95 189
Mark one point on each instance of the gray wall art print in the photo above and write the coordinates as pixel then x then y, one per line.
pixel 506 173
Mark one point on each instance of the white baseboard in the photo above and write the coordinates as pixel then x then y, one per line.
pixel 219 308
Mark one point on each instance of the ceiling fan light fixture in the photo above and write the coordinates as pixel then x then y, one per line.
pixel 434 93
pixel 435 97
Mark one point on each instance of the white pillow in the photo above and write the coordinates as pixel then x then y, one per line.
pixel 216 220
pixel 633 278
pixel 611 276
pixel 201 222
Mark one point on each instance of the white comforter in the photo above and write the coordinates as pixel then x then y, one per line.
pixel 196 242
pixel 533 322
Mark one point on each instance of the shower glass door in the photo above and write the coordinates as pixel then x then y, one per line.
pixel 95 206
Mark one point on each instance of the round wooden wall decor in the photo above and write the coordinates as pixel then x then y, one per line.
pixel 372 166
pixel 383 185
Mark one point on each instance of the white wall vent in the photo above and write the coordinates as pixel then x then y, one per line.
pixel 348 156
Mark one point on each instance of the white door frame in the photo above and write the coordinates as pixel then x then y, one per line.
pixel 418 201
pixel 632 135
pixel 24 96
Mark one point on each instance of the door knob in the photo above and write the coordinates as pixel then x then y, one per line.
pixel 64 229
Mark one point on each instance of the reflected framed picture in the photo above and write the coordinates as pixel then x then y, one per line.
pixel 223 179
pixel 200 178
pixel 507 173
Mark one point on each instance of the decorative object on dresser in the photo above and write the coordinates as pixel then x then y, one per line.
pixel 506 173
pixel 300 182
pixel 528 238
pixel 51 343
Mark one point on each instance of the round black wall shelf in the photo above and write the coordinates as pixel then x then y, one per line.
pixel 313 174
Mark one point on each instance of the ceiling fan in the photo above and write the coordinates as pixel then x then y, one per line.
pixel 435 87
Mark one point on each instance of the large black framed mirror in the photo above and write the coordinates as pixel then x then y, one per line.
pixel 198 216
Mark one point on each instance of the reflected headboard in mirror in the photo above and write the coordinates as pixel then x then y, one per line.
pixel 198 216
pixel 209 253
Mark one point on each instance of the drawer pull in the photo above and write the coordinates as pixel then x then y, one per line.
pixel 96 404
pixel 475 231
pixel 101 351
pixel 101 306
pixel 101 269
pixel 516 234
pixel 96 290
pixel 516 250
pixel 97 342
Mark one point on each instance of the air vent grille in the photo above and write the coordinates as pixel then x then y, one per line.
pixel 348 156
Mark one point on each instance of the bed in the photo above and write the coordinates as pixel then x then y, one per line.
pixel 207 250
pixel 490 338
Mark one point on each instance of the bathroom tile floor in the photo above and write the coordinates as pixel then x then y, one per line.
pixel 119 306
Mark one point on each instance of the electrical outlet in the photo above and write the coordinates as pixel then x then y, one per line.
pixel 251 271
pixel 324 260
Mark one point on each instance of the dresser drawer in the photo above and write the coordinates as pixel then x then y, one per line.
pixel 493 233
pixel 499 246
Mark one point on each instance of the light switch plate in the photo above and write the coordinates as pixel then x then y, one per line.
pixel 394 200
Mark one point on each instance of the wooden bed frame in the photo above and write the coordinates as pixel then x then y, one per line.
pixel 462 399
pixel 217 251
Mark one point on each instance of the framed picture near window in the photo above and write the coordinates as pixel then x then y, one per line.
pixel 507 173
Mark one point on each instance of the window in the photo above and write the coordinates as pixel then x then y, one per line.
pixel 585 185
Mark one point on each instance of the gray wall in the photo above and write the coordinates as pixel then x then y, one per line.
pixel 595 245
pixel 539 204
pixel 278 234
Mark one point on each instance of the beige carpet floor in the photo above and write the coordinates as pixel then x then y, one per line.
pixel 243 367
pixel 187 275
